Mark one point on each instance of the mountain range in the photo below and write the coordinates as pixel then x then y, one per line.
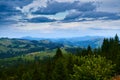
pixel 93 41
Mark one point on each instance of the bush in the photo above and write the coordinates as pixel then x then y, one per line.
pixel 93 68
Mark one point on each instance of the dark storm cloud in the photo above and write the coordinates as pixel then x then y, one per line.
pixel 14 3
pixel 6 11
pixel 56 7
pixel 8 8
pixel 93 15
pixel 40 20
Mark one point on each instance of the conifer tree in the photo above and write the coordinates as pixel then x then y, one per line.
pixel 60 70
pixel 116 38
pixel 89 50
pixel 58 53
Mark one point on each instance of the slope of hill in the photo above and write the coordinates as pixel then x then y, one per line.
pixel 15 47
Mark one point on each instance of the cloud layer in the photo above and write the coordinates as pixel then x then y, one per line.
pixel 91 15
pixel 32 17
pixel 78 10
pixel 56 7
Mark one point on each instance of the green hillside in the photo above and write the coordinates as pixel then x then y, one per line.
pixel 16 47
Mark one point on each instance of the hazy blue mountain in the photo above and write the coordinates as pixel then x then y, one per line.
pixel 31 38
pixel 93 41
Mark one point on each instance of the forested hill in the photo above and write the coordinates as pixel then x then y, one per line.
pixel 15 47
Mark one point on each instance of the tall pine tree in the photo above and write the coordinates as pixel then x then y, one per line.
pixel 58 54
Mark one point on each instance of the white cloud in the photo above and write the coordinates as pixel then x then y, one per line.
pixel 72 26
pixel 109 6
pixel 58 16
pixel 65 0
pixel 104 6
pixel 34 6
pixel 57 29
pixel 99 27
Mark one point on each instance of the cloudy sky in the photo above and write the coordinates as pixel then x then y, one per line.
pixel 59 18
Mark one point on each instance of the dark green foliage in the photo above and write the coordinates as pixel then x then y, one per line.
pixel 89 50
pixel 111 50
pixel 60 70
pixel 69 67
pixel 92 68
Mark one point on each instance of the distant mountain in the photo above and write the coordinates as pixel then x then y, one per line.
pixel 93 41
pixel 84 38
pixel 31 38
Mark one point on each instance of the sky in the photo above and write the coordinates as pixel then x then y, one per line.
pixel 59 18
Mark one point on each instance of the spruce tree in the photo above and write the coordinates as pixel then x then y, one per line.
pixel 89 50
pixel 116 38
pixel 60 71
pixel 58 53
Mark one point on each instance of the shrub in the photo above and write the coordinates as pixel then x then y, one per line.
pixel 93 68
